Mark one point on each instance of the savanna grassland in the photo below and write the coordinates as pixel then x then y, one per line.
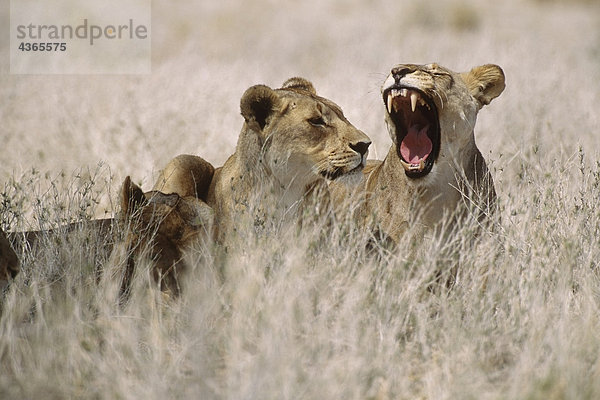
pixel 301 315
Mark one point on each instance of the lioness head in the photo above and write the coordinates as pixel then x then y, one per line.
pixel 163 226
pixel 302 136
pixel 431 111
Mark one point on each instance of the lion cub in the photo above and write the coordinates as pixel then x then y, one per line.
pixel 162 227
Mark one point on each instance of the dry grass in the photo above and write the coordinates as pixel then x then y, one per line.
pixel 299 316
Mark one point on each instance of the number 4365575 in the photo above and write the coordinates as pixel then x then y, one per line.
pixel 25 46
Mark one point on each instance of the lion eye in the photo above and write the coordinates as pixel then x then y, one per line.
pixel 317 121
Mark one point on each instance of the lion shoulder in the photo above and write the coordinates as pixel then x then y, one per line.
pixel 186 175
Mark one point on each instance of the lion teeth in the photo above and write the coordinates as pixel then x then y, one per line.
pixel 413 101
pixel 413 167
pixel 406 165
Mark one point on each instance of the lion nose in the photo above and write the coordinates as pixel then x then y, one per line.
pixel 401 70
pixel 360 147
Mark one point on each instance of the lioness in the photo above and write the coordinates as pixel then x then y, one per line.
pixel 434 164
pixel 291 140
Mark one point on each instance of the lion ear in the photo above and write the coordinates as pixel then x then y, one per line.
pixel 485 83
pixel 258 104
pixel 298 83
pixel 132 197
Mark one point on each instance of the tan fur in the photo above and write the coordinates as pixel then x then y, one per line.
pixel 162 226
pixel 290 142
pixel 186 175
pixel 459 175
pixel 9 263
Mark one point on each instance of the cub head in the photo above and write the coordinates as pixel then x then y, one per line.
pixel 162 226
pixel 431 111
pixel 302 136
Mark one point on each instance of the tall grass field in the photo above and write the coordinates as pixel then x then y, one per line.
pixel 296 314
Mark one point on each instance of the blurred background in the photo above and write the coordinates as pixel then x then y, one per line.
pixel 206 53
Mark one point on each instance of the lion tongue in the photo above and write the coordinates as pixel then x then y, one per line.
pixel 416 145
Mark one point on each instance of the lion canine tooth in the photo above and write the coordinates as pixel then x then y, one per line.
pixel 413 167
pixel 389 103
pixel 413 101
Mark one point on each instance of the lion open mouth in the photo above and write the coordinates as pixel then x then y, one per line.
pixel 416 124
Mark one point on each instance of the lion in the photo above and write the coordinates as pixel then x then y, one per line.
pixel 102 232
pixel 292 142
pixel 153 224
pixel 433 168
pixel 9 262
pixel 162 226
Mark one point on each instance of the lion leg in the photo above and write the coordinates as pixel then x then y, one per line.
pixel 186 175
